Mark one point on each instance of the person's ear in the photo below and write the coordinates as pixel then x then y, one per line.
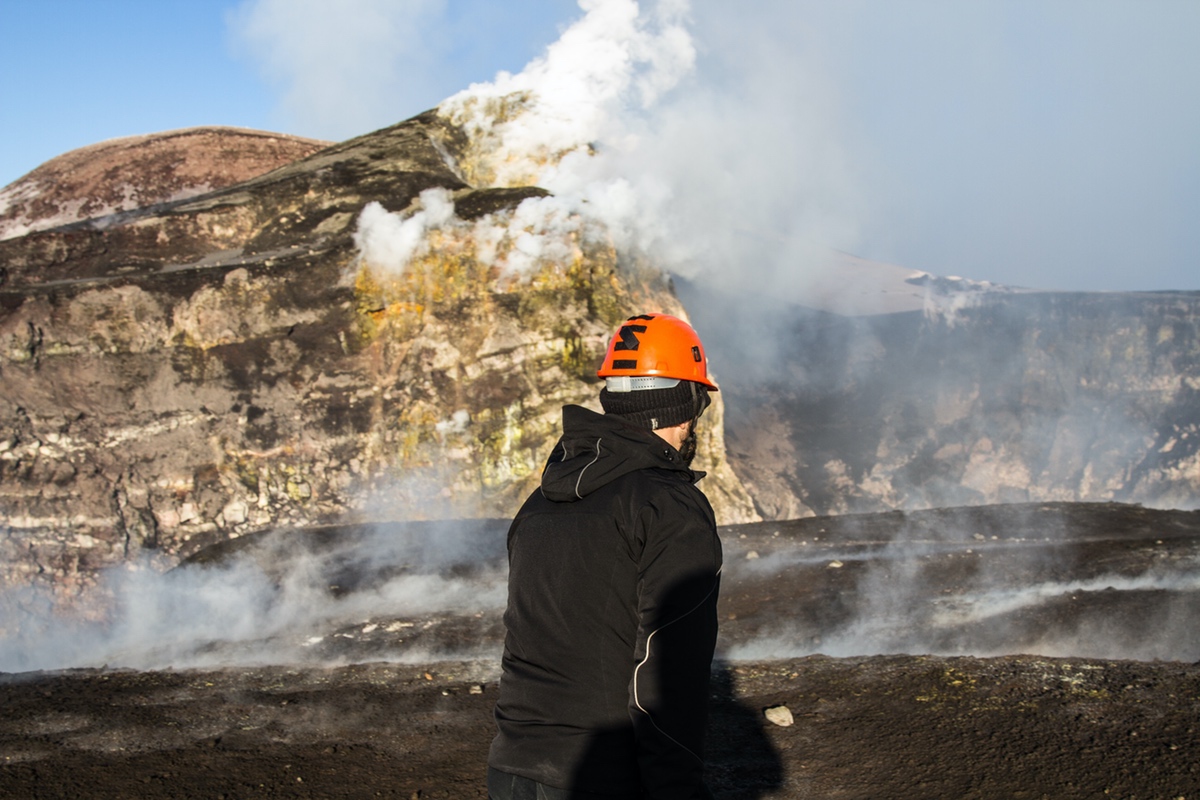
pixel 679 433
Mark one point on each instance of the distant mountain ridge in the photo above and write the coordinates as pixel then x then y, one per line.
pixel 984 396
pixel 140 171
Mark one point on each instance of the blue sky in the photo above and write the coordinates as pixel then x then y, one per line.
pixel 1044 143
pixel 80 71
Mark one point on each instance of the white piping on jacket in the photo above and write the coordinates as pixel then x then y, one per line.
pixel 593 461
pixel 642 663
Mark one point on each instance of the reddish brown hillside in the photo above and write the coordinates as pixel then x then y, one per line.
pixel 139 171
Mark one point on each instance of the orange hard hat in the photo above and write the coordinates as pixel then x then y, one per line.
pixel 655 346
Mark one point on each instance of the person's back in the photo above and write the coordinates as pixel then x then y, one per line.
pixel 614 572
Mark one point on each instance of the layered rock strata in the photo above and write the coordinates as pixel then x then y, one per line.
pixel 191 372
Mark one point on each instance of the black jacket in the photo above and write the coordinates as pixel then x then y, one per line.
pixel 614 570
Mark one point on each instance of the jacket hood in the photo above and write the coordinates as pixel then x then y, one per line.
pixel 596 449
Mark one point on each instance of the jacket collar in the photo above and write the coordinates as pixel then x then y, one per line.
pixel 596 449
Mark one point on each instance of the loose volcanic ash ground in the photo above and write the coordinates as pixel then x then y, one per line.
pixel 1006 651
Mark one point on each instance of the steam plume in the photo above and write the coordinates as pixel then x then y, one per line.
pixel 629 127
pixel 293 597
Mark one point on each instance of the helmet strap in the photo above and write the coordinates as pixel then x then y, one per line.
pixel 687 448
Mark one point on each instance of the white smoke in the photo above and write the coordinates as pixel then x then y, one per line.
pixel 942 590
pixel 664 147
pixel 392 241
pixel 296 598
pixel 615 60
pixel 540 231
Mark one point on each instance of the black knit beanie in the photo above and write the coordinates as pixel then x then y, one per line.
pixel 657 408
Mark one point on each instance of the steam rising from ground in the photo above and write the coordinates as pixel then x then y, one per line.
pixel 289 597
pixel 996 619
pixel 1043 585
pixel 419 592
pixel 540 232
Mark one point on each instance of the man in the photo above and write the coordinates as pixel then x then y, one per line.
pixel 614 569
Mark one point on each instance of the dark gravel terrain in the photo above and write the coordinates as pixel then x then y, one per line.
pixel 1119 717
pixel 870 727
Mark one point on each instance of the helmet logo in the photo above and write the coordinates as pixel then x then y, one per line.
pixel 629 340
pixel 654 346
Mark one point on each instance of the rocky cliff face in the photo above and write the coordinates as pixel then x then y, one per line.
pixel 248 358
pixel 375 332
pixel 984 397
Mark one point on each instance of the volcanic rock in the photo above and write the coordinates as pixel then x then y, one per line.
pixel 410 723
pixel 249 358
pixel 199 369
pixel 779 715
pixel 986 395
pixel 141 171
